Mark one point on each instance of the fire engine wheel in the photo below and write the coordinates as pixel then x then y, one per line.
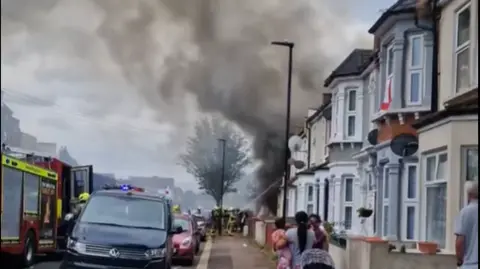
pixel 28 258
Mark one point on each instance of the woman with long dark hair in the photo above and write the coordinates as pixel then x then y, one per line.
pixel 299 238
pixel 321 236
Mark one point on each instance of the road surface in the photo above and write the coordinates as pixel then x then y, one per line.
pixel 45 264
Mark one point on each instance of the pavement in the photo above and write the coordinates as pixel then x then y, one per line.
pixel 237 253
pixel 224 253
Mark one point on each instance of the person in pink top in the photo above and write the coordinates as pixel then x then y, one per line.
pixel 321 237
pixel 280 245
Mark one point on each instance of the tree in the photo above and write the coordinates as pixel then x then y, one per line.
pixel 203 156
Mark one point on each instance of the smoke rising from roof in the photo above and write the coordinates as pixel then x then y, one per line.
pixel 216 52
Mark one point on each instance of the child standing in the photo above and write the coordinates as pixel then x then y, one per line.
pixel 280 245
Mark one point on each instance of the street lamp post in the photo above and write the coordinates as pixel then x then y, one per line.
pixel 222 183
pixel 290 46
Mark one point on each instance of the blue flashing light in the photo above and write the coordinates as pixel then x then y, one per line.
pixel 123 187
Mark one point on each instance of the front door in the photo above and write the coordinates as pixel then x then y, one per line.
pixel 81 180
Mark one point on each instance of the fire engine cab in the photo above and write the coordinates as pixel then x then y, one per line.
pixel 37 192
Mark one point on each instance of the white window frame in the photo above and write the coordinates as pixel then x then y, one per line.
pixel 387 75
pixel 331 201
pixel 372 90
pixel 385 200
pixel 415 69
pixel 335 119
pixel 464 171
pixel 410 202
pixel 427 184
pixel 372 109
pixel 463 47
pixel 348 204
pixel 310 201
pixel 328 128
pixel 351 113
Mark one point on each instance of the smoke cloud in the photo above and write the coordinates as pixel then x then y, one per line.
pixel 215 52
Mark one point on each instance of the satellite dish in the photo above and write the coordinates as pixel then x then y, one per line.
pixel 404 145
pixel 372 137
pixel 295 143
pixel 298 164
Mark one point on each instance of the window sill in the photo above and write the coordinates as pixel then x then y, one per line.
pixel 415 109
pixel 458 97
pixel 345 141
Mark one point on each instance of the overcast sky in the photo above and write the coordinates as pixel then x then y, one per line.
pixel 63 85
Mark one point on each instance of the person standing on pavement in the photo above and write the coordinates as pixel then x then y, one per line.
pixel 321 236
pixel 280 245
pixel 466 230
pixel 299 239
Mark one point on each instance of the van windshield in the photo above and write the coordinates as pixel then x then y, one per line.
pixel 124 211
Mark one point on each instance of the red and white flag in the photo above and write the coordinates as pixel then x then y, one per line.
pixel 387 97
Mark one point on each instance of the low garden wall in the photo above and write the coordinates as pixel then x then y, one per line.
pixel 361 252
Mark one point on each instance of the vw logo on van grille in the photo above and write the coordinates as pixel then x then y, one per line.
pixel 114 253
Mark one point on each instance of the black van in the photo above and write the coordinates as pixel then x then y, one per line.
pixel 121 229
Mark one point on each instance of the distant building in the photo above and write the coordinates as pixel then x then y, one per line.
pixel 65 156
pixel 28 141
pixel 10 127
pixel 100 180
pixel 45 147
pixel 110 175
pixel 151 182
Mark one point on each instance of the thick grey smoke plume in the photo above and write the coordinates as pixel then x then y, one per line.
pixel 217 51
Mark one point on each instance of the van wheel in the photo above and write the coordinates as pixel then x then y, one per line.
pixel 29 249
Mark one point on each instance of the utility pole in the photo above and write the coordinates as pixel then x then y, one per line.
pixel 222 183
pixel 290 46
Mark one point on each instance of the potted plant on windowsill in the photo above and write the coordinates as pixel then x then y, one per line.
pixel 364 212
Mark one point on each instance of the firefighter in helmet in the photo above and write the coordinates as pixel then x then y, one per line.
pixel 176 209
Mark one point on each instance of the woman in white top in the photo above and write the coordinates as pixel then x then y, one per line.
pixel 299 239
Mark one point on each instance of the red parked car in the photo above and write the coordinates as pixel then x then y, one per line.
pixel 186 244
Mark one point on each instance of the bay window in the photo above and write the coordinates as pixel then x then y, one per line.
pixel 463 50
pixel 348 203
pixel 415 66
pixel 351 109
pixel 410 203
pixel 435 193
pixel 385 201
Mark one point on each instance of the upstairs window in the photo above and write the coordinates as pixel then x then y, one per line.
pixel 390 62
pixel 328 126
pixel 415 66
pixel 462 50
pixel 351 109
pixel 387 91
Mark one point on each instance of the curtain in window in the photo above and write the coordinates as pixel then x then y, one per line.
pixel 436 213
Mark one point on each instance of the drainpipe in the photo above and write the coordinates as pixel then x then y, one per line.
pixel 434 30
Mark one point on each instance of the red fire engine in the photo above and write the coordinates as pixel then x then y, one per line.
pixel 37 192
